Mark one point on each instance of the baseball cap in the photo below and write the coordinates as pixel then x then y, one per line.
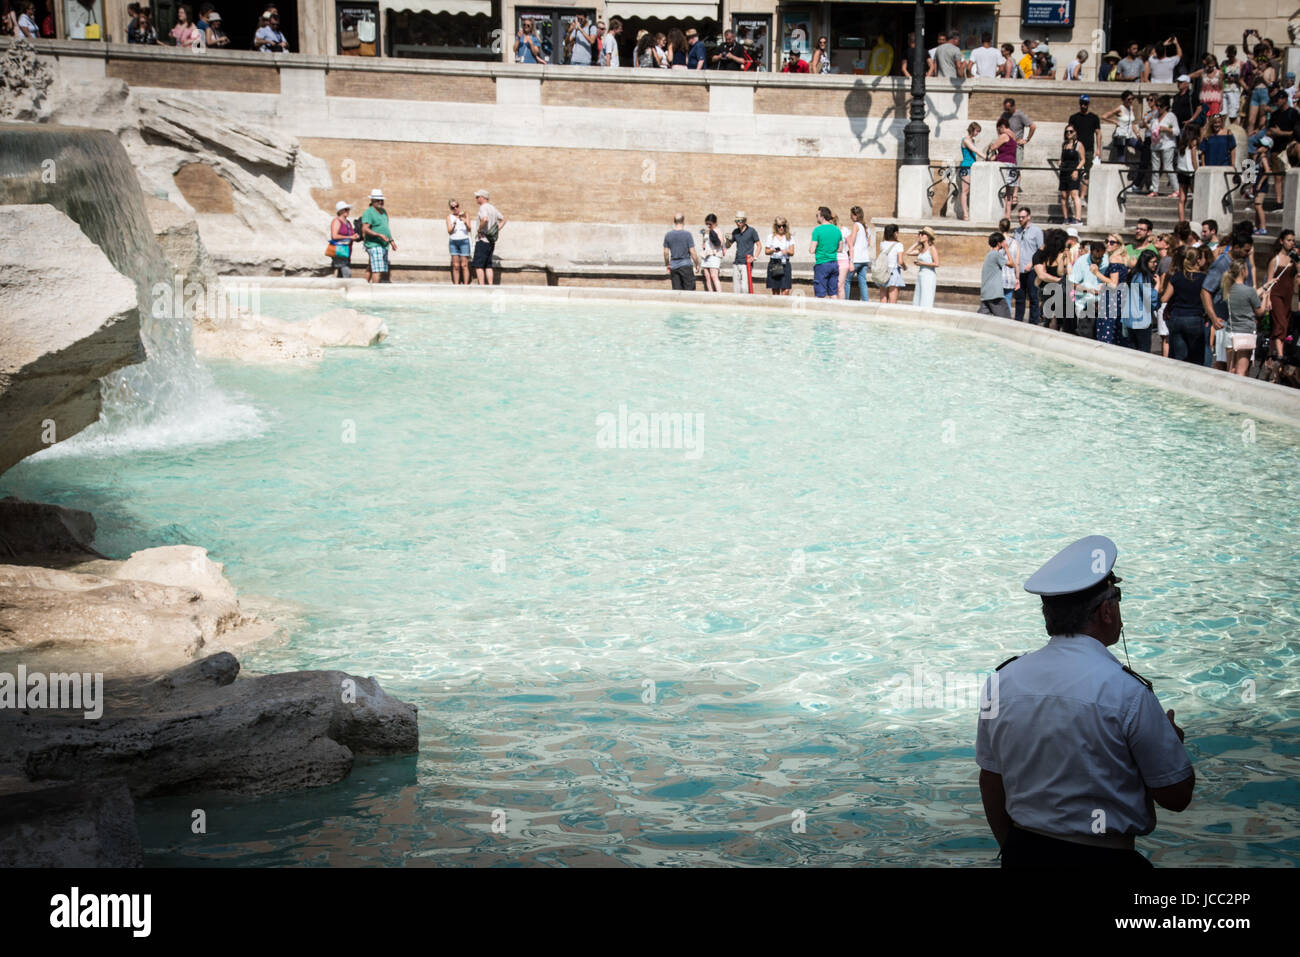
pixel 1085 98
pixel 1266 141
pixel 1072 232
pixel 1184 78
pixel 481 192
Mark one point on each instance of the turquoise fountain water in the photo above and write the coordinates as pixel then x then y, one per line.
pixel 648 656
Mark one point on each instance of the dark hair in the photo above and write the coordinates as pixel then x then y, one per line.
pixel 1164 102
pixel 891 232
pixel 1097 248
pixel 711 218
pixel 1070 614
pixel 1183 232
pixel 996 240
pixel 1277 247
pixel 1146 263
pixel 1243 234
pixel 1145 222
pixel 1054 241
pixel 1004 225
pixel 825 213
pixel 1214 226
pixel 1025 209
pixel 986 37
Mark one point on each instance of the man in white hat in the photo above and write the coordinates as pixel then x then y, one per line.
pixel 744 237
pixel 378 236
pixel 1072 746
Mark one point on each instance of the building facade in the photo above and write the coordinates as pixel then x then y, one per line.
pixel 864 36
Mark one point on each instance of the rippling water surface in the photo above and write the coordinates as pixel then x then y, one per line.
pixel 644 656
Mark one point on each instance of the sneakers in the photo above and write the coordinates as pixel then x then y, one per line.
pixel 1261 232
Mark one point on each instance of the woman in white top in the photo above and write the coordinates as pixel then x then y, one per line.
pixel 1123 118
pixel 780 246
pixel 895 261
pixel 843 258
pixel 712 249
pixel 860 242
pixel 458 243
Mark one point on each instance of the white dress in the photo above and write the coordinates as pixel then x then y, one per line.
pixel 926 280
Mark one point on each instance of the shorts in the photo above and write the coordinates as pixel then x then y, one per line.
pixel 378 258
pixel 483 254
pixel 711 262
pixel 458 247
pixel 1259 96
pixel 1185 180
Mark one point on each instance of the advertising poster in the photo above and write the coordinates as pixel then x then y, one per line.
pixel 796 33
pixel 753 32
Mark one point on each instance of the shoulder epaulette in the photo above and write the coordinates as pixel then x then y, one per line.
pixel 1007 662
pixel 1128 670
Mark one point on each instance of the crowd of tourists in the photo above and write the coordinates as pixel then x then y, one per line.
pixel 1198 293
pixel 844 257
pixel 471 239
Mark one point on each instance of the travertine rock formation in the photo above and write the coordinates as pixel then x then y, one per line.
pixel 67 317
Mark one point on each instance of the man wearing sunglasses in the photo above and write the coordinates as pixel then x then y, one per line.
pixel 1073 748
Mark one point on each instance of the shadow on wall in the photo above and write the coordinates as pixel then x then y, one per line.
pixel 857 107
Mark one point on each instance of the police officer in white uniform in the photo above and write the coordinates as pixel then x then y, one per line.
pixel 1073 748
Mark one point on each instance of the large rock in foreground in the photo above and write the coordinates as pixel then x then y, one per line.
pixel 67 318
pixel 201 728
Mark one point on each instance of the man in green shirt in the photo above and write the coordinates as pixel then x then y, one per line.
pixel 826 242
pixel 378 237
pixel 1141 240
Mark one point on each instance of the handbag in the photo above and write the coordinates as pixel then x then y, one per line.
pixel 331 251
pixel 776 269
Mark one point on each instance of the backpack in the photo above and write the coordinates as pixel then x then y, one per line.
pixel 880 267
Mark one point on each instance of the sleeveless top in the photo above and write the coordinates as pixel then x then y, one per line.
pixel 1069 159
pixel 861 245
pixel 679 58
pixel 1212 92
pixel 967 156
pixel 1007 152
pixel 825 64
pixel 1285 286
pixel 925 259
pixel 1124 123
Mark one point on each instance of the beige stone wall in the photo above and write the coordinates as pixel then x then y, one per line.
pixel 591 185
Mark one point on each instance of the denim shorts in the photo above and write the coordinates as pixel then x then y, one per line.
pixel 1259 96
pixel 459 247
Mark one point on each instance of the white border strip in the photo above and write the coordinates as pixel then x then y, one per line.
pixel 1262 400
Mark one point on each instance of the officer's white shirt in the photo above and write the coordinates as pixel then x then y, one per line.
pixel 1072 734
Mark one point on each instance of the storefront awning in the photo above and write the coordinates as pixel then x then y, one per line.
pixel 634 9
pixel 471 7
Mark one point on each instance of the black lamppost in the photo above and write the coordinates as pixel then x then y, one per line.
pixel 916 135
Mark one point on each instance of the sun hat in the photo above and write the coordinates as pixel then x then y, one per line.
pixel 1111 55
pixel 481 192
pixel 929 232
pixel 214 17
pixel 1072 232
pixel 376 194
pixel 342 205
pixel 740 216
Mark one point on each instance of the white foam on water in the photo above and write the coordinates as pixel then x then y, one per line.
pixel 217 419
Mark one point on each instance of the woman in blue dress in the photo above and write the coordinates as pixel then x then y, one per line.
pixel 1108 301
